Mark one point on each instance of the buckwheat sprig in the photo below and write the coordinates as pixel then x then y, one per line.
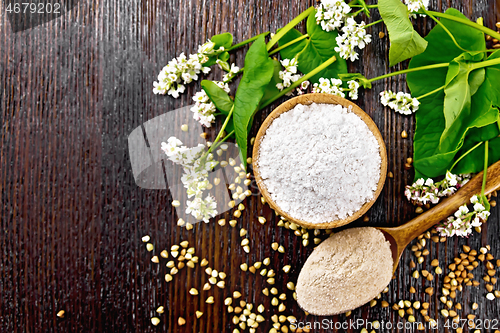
pixel 326 86
pixel 354 35
pixel 195 177
pixel 204 110
pixel 427 191
pixel 415 5
pixel 288 75
pixel 400 102
pixel 353 89
pixel 183 70
pixel 330 14
pixel 463 220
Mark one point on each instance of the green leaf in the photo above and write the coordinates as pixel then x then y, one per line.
pixel 224 56
pixel 461 81
pixel 271 89
pixel 474 161
pixel 258 72
pixel 211 61
pixel 430 120
pixel 221 100
pixel 319 48
pixel 487 97
pixel 358 77
pixel 441 49
pixel 291 51
pixel 225 40
pixel 405 41
pixel 488 94
pixel 218 96
pixel 485 133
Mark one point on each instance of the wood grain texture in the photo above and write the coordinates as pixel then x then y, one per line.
pixel 73 89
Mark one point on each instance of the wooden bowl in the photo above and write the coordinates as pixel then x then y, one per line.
pixel 308 99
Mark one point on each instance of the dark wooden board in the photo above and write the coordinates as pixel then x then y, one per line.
pixel 73 89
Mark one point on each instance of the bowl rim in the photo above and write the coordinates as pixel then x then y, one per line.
pixel 319 98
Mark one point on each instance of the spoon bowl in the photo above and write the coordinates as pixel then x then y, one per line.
pixel 319 267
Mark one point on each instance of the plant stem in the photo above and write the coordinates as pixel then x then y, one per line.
pixel 228 135
pixel 486 63
pixel 221 130
pixel 409 70
pixel 373 23
pixel 466 153
pixel 365 7
pixel 485 172
pixel 245 42
pixel 298 82
pixel 474 25
pixel 289 27
pixel 298 39
pixel 360 6
pixel 430 92
pixel 445 29
pixel 358 12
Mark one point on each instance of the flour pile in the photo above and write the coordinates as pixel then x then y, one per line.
pixel 345 271
pixel 319 162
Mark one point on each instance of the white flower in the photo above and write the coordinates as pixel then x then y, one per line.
pixel 400 102
pixel 303 87
pixel 457 223
pixel 474 199
pixel 415 5
pixel 172 148
pixel 353 89
pixel 478 207
pixel 195 176
pixel 483 215
pixel 202 209
pixel 331 13
pixel 206 48
pixel 424 191
pixel 288 75
pixel 354 35
pixel 326 86
pixel 204 110
pixel 462 210
pixel 233 71
pixel 181 70
pixel 476 222
pixel 451 178
pixel 463 221
pixel 447 192
pixel 201 97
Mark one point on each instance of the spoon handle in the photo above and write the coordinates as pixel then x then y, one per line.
pixel 449 206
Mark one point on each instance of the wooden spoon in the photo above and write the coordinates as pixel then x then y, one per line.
pixel 401 236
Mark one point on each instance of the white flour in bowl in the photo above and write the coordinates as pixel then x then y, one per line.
pixel 319 162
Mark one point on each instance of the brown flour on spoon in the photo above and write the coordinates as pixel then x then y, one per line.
pixel 345 271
